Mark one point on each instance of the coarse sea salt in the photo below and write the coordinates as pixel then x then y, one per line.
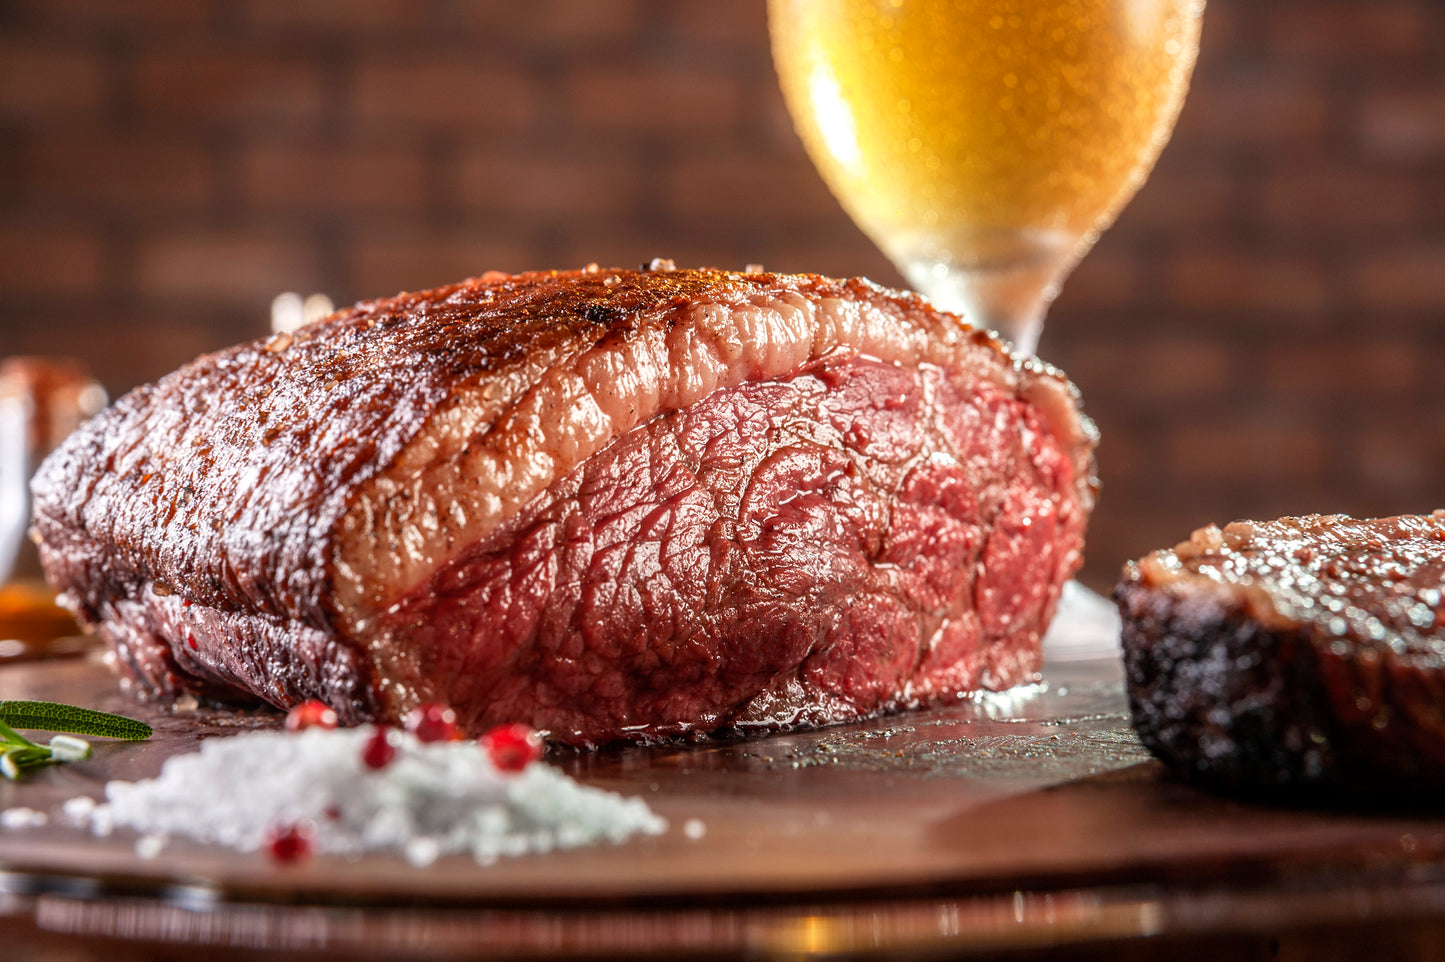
pixel 433 799
pixel 18 818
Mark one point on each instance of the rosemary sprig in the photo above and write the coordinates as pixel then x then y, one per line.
pixel 19 754
pixel 50 716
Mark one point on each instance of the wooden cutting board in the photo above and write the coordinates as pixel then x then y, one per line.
pixel 1010 820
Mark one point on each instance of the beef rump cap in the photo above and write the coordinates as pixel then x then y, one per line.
pixel 611 504
pixel 1299 655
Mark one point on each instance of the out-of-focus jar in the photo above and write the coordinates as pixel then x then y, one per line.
pixel 42 400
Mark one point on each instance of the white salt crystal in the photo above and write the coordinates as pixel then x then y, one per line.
pixel 149 846
pixel 18 818
pixel 694 828
pixel 433 800
pixel 421 852
pixel 102 823
pixel 78 810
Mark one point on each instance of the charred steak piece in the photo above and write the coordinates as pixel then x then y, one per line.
pixel 1302 653
pixel 611 504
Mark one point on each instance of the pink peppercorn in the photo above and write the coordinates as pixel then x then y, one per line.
pixel 378 751
pixel 289 843
pixel 310 714
pixel 432 723
pixel 512 747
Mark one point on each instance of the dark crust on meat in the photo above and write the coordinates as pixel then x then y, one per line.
pixel 170 487
pixel 1270 701
pixel 244 526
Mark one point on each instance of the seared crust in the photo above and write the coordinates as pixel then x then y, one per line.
pixel 1295 655
pixel 229 478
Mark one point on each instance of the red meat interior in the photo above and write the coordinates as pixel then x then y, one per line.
pixel 857 538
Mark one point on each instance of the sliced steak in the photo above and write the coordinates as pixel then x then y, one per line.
pixel 611 504
pixel 1304 653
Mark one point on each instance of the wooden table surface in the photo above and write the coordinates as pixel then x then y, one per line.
pixel 1005 823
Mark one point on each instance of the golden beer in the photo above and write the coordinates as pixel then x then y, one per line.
pixel 984 135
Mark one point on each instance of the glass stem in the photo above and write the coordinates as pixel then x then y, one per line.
pixel 1020 330
pixel 1011 300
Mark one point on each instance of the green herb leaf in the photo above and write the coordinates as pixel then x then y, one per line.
pixel 16 760
pixel 52 717
pixel 25 756
pixel 10 736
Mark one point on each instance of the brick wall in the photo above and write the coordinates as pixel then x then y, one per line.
pixel 1255 336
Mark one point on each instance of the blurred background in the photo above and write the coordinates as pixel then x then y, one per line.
pixel 1260 333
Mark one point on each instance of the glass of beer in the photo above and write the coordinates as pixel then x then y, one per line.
pixel 985 144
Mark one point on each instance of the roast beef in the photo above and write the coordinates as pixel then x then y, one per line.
pixel 1304 655
pixel 611 504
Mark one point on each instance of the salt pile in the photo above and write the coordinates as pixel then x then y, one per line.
pixel 432 799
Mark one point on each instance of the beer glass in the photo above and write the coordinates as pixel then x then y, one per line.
pixel 985 144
